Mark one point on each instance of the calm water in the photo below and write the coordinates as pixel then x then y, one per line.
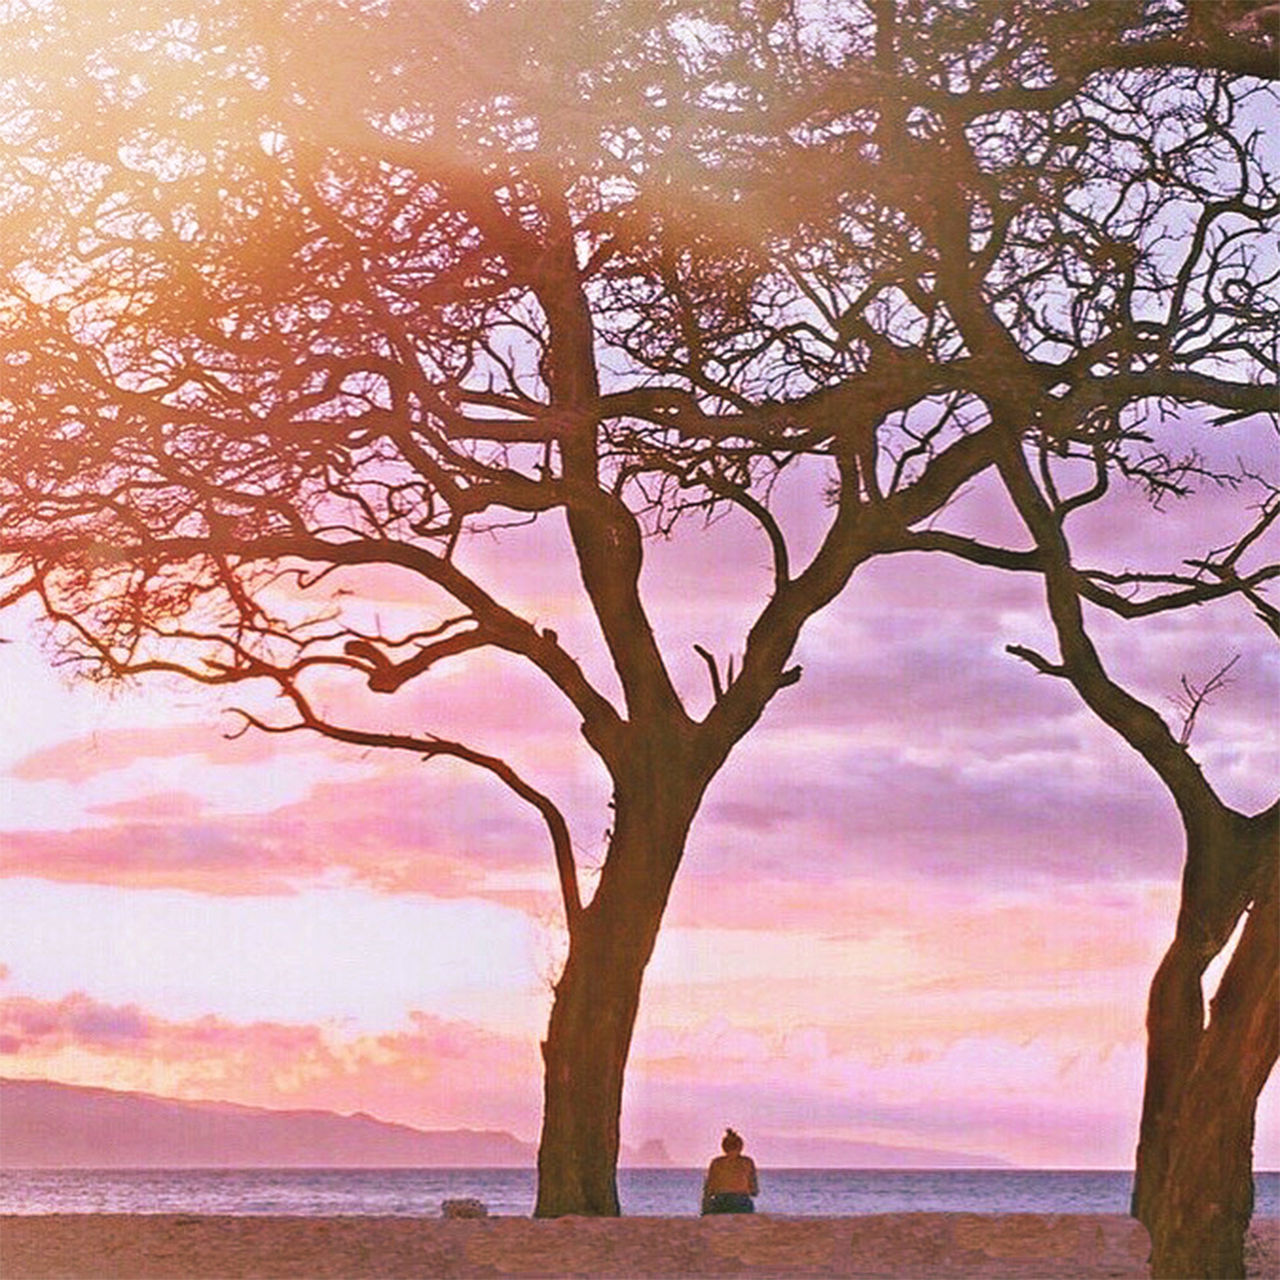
pixel 511 1191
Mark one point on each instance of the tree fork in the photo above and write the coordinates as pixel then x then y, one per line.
pixel 1194 1185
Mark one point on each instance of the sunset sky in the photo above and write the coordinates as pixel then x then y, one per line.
pixel 921 906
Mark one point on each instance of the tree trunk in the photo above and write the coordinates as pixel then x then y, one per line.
pixel 598 997
pixel 585 1056
pixel 1194 1184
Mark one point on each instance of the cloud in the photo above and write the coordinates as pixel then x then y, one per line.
pixel 878 966
pixel 78 759
pixel 913 741
pixel 1059 924
pixel 900 1009
pixel 1039 1102
pixel 323 954
pixel 431 1072
pixel 921 904
pixel 925 754
pixel 875 809
pixel 1044 1069
pixel 160 807
pixel 30 1025
pixel 398 831
pixel 435 1072
pixel 1043 1100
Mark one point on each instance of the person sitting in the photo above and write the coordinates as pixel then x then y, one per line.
pixel 731 1179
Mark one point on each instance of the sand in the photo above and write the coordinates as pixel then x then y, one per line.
pixel 998 1246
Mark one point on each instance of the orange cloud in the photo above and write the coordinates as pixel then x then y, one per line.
pixel 432 1073
pixel 78 759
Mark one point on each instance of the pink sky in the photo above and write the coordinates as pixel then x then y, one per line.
pixel 920 906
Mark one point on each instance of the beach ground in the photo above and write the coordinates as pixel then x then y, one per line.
pixel 915 1245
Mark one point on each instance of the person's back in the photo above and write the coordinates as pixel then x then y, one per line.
pixel 731 1180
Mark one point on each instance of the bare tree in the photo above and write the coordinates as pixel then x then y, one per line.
pixel 1143 294
pixel 614 264
pixel 1194 1181
pixel 263 334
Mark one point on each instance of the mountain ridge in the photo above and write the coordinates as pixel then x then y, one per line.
pixel 44 1124
pixel 48 1125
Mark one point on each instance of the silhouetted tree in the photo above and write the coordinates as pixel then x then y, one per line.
pixel 1181 231
pixel 1193 1186
pixel 1194 1179
pixel 1102 186
pixel 291 291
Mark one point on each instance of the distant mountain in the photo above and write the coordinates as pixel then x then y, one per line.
pixel 44 1125
pixel 47 1126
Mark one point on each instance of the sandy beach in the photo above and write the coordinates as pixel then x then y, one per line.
pixel 999 1246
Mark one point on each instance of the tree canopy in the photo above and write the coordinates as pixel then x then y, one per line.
pixel 373 306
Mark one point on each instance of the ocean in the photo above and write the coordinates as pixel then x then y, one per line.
pixel 643 1192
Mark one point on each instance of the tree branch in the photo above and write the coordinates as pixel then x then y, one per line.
pixel 428 747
